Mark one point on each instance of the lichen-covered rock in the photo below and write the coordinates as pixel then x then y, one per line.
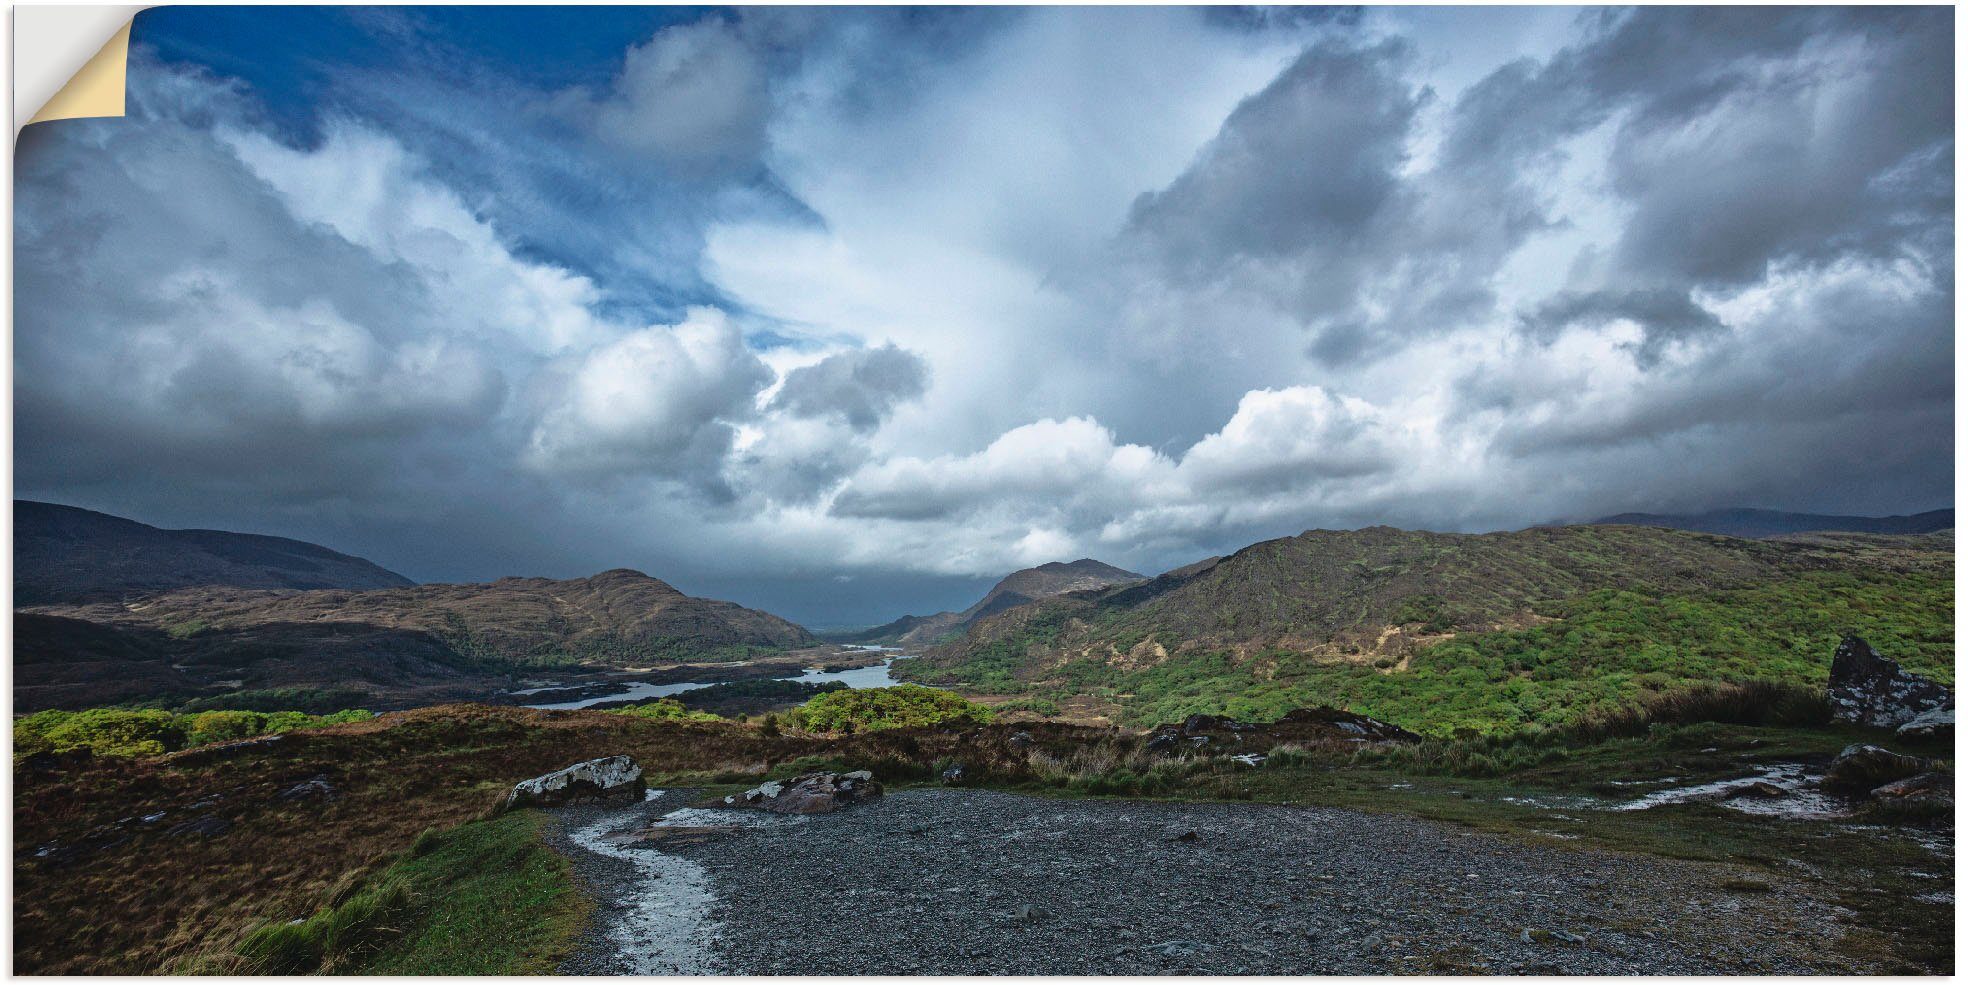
pixel 811 793
pixel 1935 724
pixel 612 779
pixel 1861 769
pixel 1870 689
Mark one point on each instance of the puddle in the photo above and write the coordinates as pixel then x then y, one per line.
pixel 1553 802
pixel 1797 795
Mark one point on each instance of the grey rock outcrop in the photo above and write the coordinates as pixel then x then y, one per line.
pixel 811 793
pixel 1869 689
pixel 612 779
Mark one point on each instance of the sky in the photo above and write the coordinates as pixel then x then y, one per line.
pixel 847 312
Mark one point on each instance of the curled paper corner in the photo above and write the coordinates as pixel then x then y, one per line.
pixel 63 67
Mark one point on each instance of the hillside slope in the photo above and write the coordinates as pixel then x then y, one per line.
pixel 258 639
pixel 1019 587
pixel 66 554
pixel 1215 633
pixel 1770 523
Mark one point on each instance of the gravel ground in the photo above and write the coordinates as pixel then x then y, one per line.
pixel 950 881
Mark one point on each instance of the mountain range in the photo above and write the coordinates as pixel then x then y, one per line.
pixel 109 609
pixel 1374 596
pixel 1015 589
pixel 66 554
pixel 1770 523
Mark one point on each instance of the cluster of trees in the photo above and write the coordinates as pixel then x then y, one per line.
pixel 151 732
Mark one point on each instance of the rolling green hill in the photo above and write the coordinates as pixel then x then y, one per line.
pixel 1486 631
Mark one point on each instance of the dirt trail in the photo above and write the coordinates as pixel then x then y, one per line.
pixel 955 881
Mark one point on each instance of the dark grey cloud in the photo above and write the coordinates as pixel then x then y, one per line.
pixel 1664 317
pixel 1308 163
pixel 1751 136
pixel 860 387
pixel 464 299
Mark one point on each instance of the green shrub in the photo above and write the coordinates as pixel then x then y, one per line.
pixel 103 731
pixel 223 726
pixel 152 732
pixel 666 710
pixel 873 709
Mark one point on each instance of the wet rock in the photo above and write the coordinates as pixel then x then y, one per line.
pixel 1921 788
pixel 207 826
pixel 314 786
pixel 813 793
pixel 1869 689
pixel 1861 769
pixel 1303 725
pixel 1937 724
pixel 613 779
pixel 1762 789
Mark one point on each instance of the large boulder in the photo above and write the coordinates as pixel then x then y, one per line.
pixel 1870 689
pixel 811 793
pixel 1861 769
pixel 612 779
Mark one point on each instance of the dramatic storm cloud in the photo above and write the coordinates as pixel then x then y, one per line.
pixel 844 312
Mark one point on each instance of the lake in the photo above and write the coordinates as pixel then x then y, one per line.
pixel 859 677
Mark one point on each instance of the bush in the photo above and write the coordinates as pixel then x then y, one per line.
pixel 665 710
pixel 151 732
pixel 103 731
pixel 222 726
pixel 873 709
pixel 1037 706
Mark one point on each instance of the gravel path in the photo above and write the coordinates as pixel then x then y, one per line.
pixel 949 881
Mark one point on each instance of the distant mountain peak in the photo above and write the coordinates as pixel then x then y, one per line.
pixel 1013 590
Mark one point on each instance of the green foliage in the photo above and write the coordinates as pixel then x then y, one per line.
pixel 103 731
pixel 152 732
pixel 873 709
pixel 1607 652
pixel 665 710
pixel 485 899
pixel 186 629
pixel 1037 706
pixel 222 726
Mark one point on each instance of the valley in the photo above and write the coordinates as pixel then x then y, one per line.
pixel 1604 749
